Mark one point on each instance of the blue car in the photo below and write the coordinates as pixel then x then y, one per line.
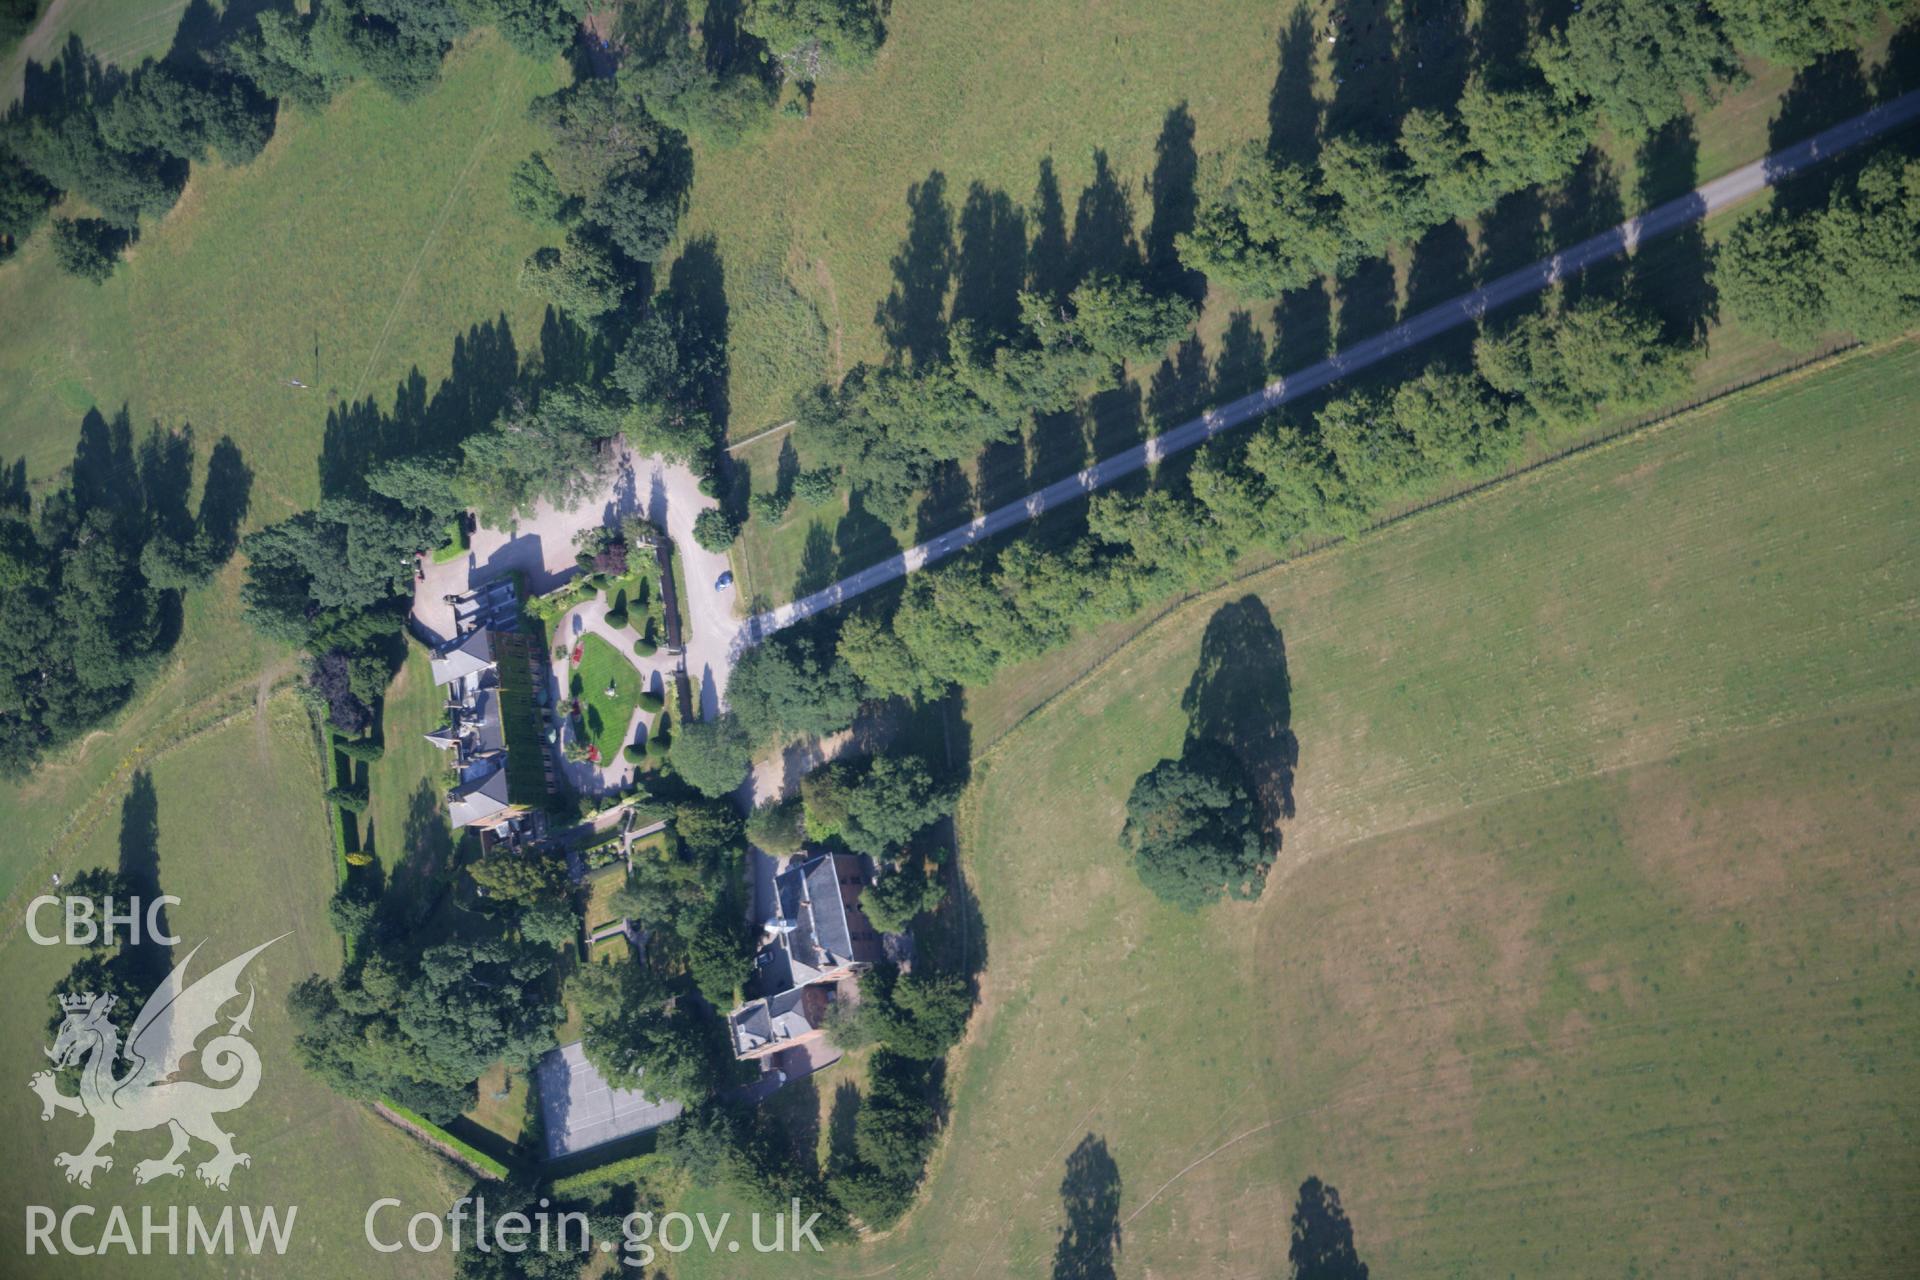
pixel 724 581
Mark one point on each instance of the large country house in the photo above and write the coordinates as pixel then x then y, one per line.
pixel 816 940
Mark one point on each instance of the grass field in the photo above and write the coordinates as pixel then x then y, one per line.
pixel 118 32
pixel 405 825
pixel 220 304
pixel 377 233
pixel 1587 946
pixel 242 843
pixel 979 97
pixel 1661 680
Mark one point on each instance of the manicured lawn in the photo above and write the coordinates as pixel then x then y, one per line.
pixel 1601 845
pixel 503 1116
pixel 522 724
pixel 405 825
pixel 602 884
pixel 243 845
pixel 607 714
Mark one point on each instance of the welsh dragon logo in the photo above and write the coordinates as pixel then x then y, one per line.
pixel 166 1030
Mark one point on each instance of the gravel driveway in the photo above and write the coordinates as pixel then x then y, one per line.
pixel 541 547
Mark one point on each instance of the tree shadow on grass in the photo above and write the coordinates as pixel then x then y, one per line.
pixel 1586 204
pixel 1322 1247
pixel 224 499
pixel 424 866
pixel 841 1153
pixel 1048 272
pixel 861 538
pixel 1293 110
pixel 1240 695
pixel 913 315
pixel 819 562
pixel 1364 66
pixel 1181 385
pixel 947 502
pixel 990 268
pixel 1825 92
pixel 113 964
pixel 786 469
pixel 358 437
pixel 1103 239
pixel 697 288
pixel 1441 267
pixel 1242 363
pixel 148 962
pixel 1090 1196
pixel 1176 168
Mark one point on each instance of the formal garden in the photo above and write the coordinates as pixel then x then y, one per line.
pixel 606 623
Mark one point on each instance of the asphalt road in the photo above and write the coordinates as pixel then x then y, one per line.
pixel 1703 201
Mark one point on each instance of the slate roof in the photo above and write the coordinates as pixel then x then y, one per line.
pixel 785 1016
pixel 480 800
pixel 467 656
pixel 816 928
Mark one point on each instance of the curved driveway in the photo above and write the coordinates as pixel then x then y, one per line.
pixel 1747 181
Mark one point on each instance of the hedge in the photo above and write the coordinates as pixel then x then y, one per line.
pixel 478 1158
pixel 581 1186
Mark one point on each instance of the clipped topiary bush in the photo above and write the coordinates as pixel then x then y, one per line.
pixel 652 703
pixel 352 799
pixel 634 753
pixel 659 744
pixel 368 749
pixel 645 647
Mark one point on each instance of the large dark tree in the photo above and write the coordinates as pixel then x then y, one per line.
pixel 87 248
pixel 643 1033
pixel 1640 63
pixel 921 1013
pixel 1849 267
pixel 812 38
pixel 874 805
pixel 893 1135
pixel 1193 829
pixel 785 686
pixel 25 198
pixel 712 756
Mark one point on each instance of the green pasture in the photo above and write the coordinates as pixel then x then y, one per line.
pixel 1584 946
pixel 241 841
pixel 355 250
